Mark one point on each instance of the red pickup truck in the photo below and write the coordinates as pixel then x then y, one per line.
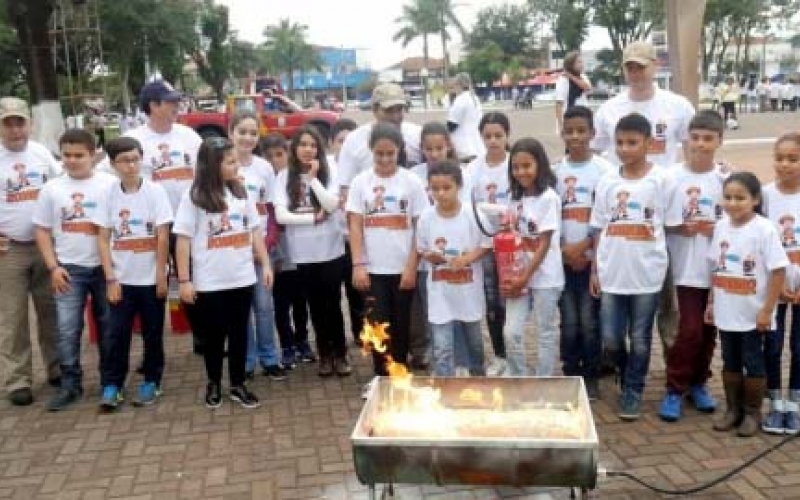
pixel 277 113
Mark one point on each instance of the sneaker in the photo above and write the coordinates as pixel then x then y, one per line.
pixel 305 354
pixel 791 421
pixel 497 367
pixel 149 392
pixel 774 421
pixel 368 388
pixel 462 371
pixel 21 397
pixel 671 405
pixel 342 366
pixel 244 397
pixel 54 381
pixel 275 372
pixel 249 375
pixel 630 406
pixel 63 399
pixel 702 399
pixel 289 358
pixel 592 388
pixel 111 398
pixel 213 395
pixel 325 366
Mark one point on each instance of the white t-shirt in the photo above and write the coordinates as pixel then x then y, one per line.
pixel 488 183
pixel 742 258
pixel 22 175
pixel 222 243
pixel 784 211
pixel 631 213
pixel 453 295
pixel 259 180
pixel 169 158
pixel 67 207
pixel 134 219
pixel 562 92
pixel 535 215
pixel 389 206
pixel 695 198
pixel 576 184
pixel 775 90
pixel 356 156
pixel 310 243
pixel 669 115
pixel 466 113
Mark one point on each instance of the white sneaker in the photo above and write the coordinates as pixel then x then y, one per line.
pixel 368 388
pixel 462 371
pixel 497 367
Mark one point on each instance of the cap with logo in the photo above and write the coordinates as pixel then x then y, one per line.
pixel 387 95
pixel 639 52
pixel 14 106
pixel 159 90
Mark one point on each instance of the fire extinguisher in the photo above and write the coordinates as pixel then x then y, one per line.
pixel 507 244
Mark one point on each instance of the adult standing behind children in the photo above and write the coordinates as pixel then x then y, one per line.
pixel 571 86
pixel 24 168
pixel 463 118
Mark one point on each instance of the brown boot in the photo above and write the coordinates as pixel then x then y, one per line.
pixel 732 383
pixel 753 397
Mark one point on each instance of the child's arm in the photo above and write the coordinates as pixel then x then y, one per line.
pixel 262 257
pixel 113 288
pixel 360 274
pixel 594 280
pixel 273 230
pixel 59 275
pixel 469 258
pixel 515 285
pixel 408 280
pixel 162 258
pixel 183 247
pixel 574 254
pixel 774 289
pixel 708 316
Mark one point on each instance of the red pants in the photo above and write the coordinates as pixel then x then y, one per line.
pixel 689 359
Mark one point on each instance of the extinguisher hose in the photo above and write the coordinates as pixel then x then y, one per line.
pixel 479 221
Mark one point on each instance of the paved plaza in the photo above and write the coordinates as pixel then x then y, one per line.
pixel 296 446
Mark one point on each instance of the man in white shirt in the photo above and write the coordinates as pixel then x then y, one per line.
pixel 463 119
pixel 24 168
pixel 388 105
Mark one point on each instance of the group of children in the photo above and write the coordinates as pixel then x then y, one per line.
pixel 266 239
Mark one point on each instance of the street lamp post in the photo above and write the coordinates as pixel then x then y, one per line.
pixel 423 73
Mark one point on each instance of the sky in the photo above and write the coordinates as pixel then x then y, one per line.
pixel 367 25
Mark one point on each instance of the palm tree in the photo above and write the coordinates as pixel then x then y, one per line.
pixel 288 50
pixel 445 17
pixel 418 20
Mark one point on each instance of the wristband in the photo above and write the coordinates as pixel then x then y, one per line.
pixel 360 264
pixel 111 281
pixel 181 282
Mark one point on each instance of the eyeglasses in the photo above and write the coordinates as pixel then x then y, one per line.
pixel 218 142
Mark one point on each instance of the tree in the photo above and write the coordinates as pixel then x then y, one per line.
pixel 288 49
pixel 507 26
pixel 445 17
pixel 214 61
pixel 485 64
pixel 568 21
pixel 419 20
pixel 12 75
pixel 627 21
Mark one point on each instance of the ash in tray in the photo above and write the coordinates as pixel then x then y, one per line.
pixel 417 412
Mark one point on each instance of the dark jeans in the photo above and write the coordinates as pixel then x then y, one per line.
pixel 355 302
pixel 322 284
pixel 83 282
pixel 190 309
pixel 581 343
pixel 390 305
pixel 773 349
pixel 689 358
pixel 223 316
pixel 743 352
pixel 136 301
pixel 291 306
pixel 495 305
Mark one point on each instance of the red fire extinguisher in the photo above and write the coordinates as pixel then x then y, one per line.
pixel 507 243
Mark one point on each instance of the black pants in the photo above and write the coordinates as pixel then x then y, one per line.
pixel 391 305
pixel 136 301
pixel 729 110
pixel 322 284
pixel 290 304
pixel 223 315
pixel 355 302
pixel 189 309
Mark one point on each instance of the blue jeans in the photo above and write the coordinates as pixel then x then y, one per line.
pixel 631 316
pixel 495 304
pixel 743 352
pixel 544 304
pixel 141 301
pixel 261 339
pixel 445 340
pixel 581 343
pixel 84 281
pixel 773 348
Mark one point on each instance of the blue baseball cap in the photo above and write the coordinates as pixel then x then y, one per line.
pixel 159 90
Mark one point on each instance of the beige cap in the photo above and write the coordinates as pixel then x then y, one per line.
pixel 14 106
pixel 640 52
pixel 387 95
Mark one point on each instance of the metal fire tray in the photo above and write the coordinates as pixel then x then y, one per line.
pixel 476 460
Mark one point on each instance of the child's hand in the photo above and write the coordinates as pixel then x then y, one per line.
pixel 594 285
pixel 161 285
pixel 788 296
pixel 408 280
pixel 268 277
pixel 187 292
pixel 689 229
pixel 113 292
pixel 513 287
pixel 435 258
pixel 361 278
pixel 579 263
pixel 764 321
pixel 60 280
pixel 708 316
pixel 459 262
pixel 706 229
pixel 313 169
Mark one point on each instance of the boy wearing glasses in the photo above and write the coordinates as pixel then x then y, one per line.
pixel 134 246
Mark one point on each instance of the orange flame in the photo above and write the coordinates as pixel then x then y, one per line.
pixel 374 336
pixel 471 396
pixel 497 399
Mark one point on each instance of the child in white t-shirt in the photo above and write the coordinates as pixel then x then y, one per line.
pixel 220 229
pixel 67 239
pixel 630 261
pixel 539 279
pixel 487 182
pixel 696 202
pixel 383 205
pixel 577 176
pixel 749 265
pixel 782 207
pixel 134 249
pixel 451 243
